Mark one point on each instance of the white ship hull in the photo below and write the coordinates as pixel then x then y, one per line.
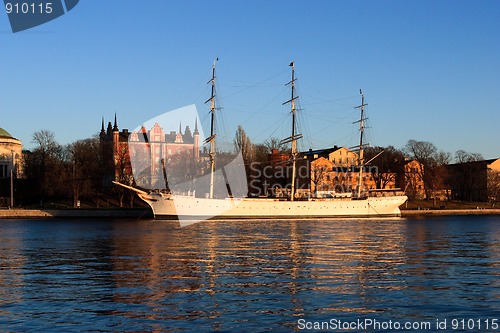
pixel 167 206
pixel 186 207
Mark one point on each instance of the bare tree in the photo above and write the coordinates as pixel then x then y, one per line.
pixel 243 144
pixel 260 153
pixel 432 173
pixel 461 156
pixel 46 165
pixel 46 142
pixel 493 186
pixel 183 169
pixel 123 173
pixel 389 165
pixel 318 174
pixel 85 159
pixel 272 143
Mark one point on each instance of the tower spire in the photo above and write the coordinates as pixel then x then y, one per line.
pixel 115 126
pixel 196 126
pixel 103 132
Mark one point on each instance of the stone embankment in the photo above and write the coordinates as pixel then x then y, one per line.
pixel 74 213
pixel 147 214
pixel 444 212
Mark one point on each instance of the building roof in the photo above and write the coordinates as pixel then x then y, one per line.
pixel 480 162
pixel 319 152
pixel 5 134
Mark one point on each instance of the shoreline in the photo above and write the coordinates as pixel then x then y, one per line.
pixel 142 213
pixel 449 212
pixel 131 213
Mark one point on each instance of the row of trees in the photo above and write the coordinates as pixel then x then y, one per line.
pixel 81 170
pixel 439 171
pixel 434 172
pixel 53 171
pixel 431 170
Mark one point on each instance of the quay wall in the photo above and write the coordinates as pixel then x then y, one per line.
pixel 147 213
pixel 75 213
pixel 445 212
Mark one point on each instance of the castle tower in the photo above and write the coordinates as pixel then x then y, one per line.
pixel 109 131
pixel 116 146
pixel 116 134
pixel 115 127
pixel 178 137
pixel 102 134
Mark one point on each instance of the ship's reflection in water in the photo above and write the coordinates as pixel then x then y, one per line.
pixel 133 276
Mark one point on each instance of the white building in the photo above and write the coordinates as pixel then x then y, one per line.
pixel 10 154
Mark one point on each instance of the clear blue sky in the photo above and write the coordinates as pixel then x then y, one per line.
pixel 430 70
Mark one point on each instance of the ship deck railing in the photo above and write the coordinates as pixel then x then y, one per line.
pixel 385 192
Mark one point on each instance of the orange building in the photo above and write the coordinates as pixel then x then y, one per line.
pixel 337 170
pixel 413 180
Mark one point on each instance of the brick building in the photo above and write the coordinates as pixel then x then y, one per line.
pixel 148 148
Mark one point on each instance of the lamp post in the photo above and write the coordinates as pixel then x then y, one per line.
pixel 12 181
pixel 11 188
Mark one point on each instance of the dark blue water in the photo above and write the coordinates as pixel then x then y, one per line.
pixel 251 276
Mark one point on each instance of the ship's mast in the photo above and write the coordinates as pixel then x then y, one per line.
pixel 361 122
pixel 211 138
pixel 293 139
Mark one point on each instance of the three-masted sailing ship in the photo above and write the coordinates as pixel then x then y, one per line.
pixel 166 205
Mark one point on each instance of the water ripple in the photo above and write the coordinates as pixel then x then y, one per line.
pixel 130 276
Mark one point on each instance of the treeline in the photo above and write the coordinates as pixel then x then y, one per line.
pixel 438 172
pixel 67 175
pixel 82 172
pixel 434 172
